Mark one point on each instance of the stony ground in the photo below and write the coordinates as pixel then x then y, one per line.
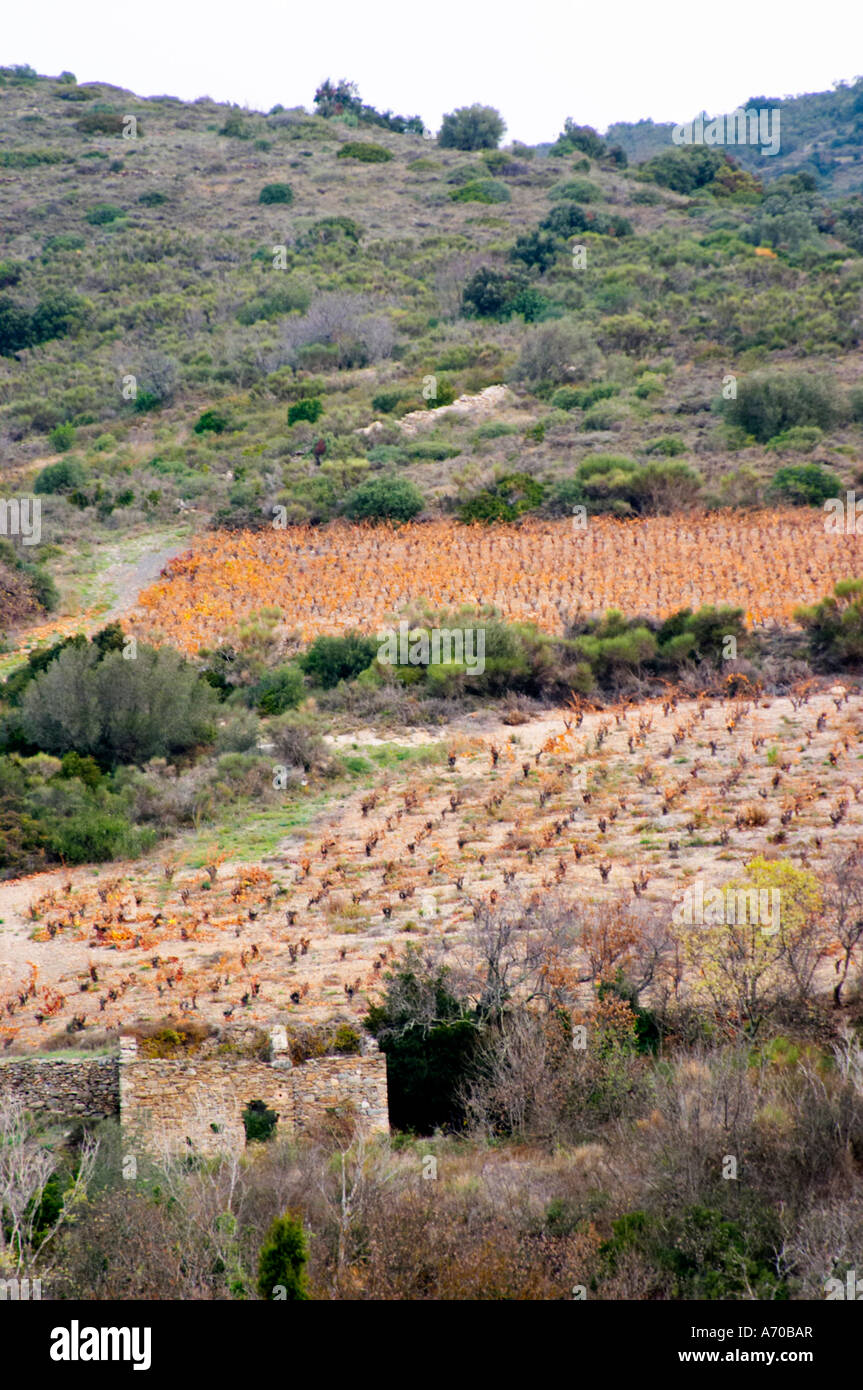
pixel 641 799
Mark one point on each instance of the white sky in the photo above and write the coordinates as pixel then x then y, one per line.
pixel 537 62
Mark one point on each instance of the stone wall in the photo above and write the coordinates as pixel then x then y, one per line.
pixel 197 1106
pixel 89 1088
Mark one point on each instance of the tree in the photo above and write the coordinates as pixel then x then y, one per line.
pixel 282 1261
pixel 337 98
pixel 27 1166
pixel 749 960
pixel 471 128
pixel 118 710
pixel 843 900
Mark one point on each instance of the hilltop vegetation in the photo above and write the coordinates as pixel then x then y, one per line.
pixel 218 312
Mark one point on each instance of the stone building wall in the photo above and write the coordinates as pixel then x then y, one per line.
pixel 89 1088
pixel 197 1106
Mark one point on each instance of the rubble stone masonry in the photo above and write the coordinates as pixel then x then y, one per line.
pixel 196 1106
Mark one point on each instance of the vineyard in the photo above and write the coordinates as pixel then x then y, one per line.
pixel 330 579
pixel 618 810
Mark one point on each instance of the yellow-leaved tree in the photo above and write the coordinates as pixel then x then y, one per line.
pixel 755 941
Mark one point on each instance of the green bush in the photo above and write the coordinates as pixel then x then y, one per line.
pixel 366 153
pixel 577 191
pixel 685 169
pixel 117 710
pixel 835 625
pixel 282 1260
pixel 212 421
pixel 384 499
pixel 278 690
pixel 510 497
pixel 152 199
pixel 536 250
pixel 385 402
pixel 481 191
pixel 490 293
pixel 103 213
pixel 276 193
pixel 769 403
pixel 64 241
pixel 62 437
pixel 10 273
pixel 310 409
pixel 471 128
pixel 803 485
pixel 571 398
pixel 64 476
pixel 332 659
pixel 104 123
pixel 259 1122
pixel 668 445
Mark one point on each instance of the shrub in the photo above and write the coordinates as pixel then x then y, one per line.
pixel 384 499
pixel 801 439
pixel 212 421
pixel 768 403
pixel 104 123
pixel 64 476
pixel 330 229
pixel 345 1039
pixel 835 625
pixel 276 193
pixel 555 352
pixel 571 398
pixel 507 499
pixel 332 659
pixel 366 153
pixel 259 1122
pixel 64 241
pixel 152 199
pixel 297 745
pixel 577 191
pixel 471 128
pixel 10 273
pixel 103 213
pixel 489 293
pixel 481 191
pixel 536 250
pixel 385 402
pixel 686 169
pixel 668 445
pixel 282 1260
pixel 804 485
pixel 278 690
pixel 310 409
pixel 62 437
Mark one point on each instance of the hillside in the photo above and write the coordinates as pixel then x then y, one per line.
pixel 432 618
pixel 153 262
pixel 822 135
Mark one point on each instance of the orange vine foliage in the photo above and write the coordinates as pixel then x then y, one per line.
pixel 326 580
